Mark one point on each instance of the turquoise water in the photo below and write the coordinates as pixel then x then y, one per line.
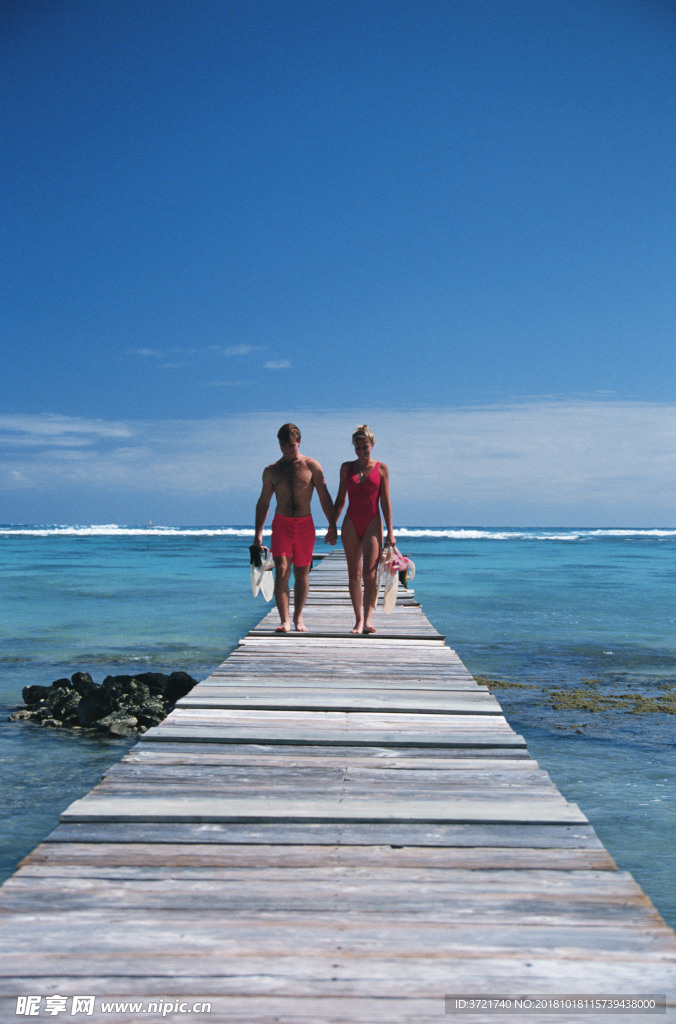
pixel 544 612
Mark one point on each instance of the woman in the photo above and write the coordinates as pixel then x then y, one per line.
pixel 366 485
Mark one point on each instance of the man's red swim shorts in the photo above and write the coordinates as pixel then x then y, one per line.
pixel 293 536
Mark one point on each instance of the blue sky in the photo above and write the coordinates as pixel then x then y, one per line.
pixel 453 220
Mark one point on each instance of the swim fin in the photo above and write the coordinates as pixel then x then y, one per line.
pixel 267 581
pixel 261 578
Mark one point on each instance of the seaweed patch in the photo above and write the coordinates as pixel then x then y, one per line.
pixel 500 684
pixel 580 699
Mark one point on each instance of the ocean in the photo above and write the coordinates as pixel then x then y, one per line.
pixel 574 628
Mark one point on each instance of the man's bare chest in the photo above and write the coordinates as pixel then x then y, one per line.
pixel 294 476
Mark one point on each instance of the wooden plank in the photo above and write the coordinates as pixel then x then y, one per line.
pixel 266 951
pixel 349 720
pixel 550 892
pixel 143 859
pixel 334 699
pixel 378 758
pixel 194 928
pixel 218 809
pixel 356 777
pixel 346 682
pixel 306 642
pixel 400 834
pixel 394 739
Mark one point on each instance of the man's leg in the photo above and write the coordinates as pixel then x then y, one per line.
pixel 301 575
pixel 303 546
pixel 282 576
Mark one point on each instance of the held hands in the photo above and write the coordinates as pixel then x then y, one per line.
pixel 331 535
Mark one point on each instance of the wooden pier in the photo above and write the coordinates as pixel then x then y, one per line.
pixel 328 829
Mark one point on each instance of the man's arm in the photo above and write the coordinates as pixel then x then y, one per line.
pixel 326 503
pixel 263 504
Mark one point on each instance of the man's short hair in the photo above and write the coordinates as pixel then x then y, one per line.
pixel 288 433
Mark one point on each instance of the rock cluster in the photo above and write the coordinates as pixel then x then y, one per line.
pixel 120 706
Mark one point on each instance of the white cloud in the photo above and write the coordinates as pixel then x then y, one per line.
pixel 584 462
pixel 48 428
pixel 239 350
pixel 277 364
pixel 220 350
pixel 147 353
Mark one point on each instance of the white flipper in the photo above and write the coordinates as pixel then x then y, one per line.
pixel 261 576
pixel 390 592
pixel 267 582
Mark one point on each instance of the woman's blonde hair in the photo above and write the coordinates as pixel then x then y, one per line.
pixel 363 431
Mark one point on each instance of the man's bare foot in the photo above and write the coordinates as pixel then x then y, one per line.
pixel 284 627
pixel 300 625
pixel 369 629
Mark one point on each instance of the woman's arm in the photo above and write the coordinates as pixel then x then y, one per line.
pixel 339 503
pixel 325 502
pixel 386 504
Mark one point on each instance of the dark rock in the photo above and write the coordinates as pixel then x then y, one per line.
pixel 49 706
pixel 67 708
pixel 95 705
pixel 123 705
pixel 117 685
pixel 63 704
pixel 151 712
pixel 180 683
pixel 22 715
pixel 83 683
pixel 119 723
pixel 155 681
pixel 34 694
pixel 134 694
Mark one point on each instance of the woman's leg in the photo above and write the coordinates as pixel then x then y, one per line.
pixel 371 546
pixel 353 556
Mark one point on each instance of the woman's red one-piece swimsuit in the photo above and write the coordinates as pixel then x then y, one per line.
pixel 362 505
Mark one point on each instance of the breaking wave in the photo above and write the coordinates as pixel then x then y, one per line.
pixel 431 532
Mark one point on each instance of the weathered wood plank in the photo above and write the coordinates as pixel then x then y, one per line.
pixel 100 807
pixel 349 887
pixel 401 834
pixel 302 946
pixel 349 720
pixel 323 777
pixel 143 859
pixel 302 736
pixel 272 698
pixel 385 758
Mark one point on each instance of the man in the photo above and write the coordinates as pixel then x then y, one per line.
pixel 293 480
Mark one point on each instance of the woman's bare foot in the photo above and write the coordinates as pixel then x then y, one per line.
pixel 370 629
pixel 358 627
